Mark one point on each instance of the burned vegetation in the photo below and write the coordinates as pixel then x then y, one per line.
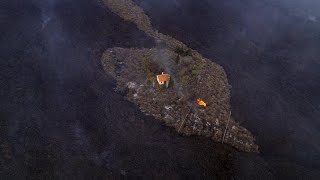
pixel 169 84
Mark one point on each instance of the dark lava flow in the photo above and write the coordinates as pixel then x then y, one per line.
pixel 270 51
pixel 60 116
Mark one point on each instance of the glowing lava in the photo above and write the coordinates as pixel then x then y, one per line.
pixel 200 102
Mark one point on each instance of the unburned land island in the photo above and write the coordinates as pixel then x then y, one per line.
pixel 169 84
pixel 173 83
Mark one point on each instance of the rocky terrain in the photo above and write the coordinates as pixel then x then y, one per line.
pixel 135 71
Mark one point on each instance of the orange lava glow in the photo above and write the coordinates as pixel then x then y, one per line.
pixel 200 102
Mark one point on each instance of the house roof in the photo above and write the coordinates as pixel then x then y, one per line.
pixel 163 77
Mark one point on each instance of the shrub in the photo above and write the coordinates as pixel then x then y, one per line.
pixel 182 52
pixel 196 68
pixel 150 80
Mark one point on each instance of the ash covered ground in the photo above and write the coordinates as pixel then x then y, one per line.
pixel 60 117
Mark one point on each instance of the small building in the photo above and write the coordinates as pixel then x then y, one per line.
pixel 163 79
